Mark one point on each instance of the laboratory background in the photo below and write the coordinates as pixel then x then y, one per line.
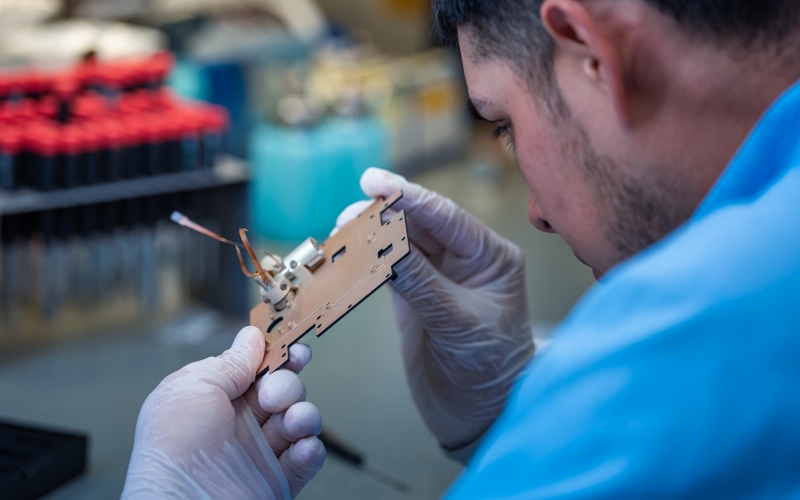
pixel 257 114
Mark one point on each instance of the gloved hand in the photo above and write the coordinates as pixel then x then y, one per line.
pixel 461 309
pixel 208 432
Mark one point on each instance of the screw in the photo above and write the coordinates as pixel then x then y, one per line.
pixel 293 264
pixel 370 238
pixel 283 285
pixel 373 268
pixel 328 305
pixel 291 324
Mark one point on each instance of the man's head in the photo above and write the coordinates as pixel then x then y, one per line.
pixel 623 113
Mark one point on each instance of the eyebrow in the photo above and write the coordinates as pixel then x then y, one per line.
pixel 472 107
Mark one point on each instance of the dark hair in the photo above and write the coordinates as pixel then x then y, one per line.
pixel 512 29
pixel 509 29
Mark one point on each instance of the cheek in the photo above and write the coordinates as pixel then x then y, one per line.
pixel 560 198
pixel 545 172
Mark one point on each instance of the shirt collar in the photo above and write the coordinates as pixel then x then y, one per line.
pixel 772 149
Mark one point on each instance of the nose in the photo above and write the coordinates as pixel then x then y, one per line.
pixel 536 216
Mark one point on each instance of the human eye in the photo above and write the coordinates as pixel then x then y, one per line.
pixel 504 131
pixel 501 131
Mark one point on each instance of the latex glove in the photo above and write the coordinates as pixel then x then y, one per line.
pixel 208 432
pixel 461 309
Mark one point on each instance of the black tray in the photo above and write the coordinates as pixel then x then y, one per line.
pixel 36 461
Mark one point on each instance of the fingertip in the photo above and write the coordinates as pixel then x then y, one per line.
pixel 299 357
pixel 279 390
pixel 303 419
pixel 302 461
pixel 378 182
pixel 350 213
pixel 309 453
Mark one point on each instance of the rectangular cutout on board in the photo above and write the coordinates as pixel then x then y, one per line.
pixel 338 255
pixel 385 251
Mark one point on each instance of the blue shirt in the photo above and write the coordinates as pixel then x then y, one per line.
pixel 679 377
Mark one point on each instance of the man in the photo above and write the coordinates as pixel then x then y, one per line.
pixel 660 139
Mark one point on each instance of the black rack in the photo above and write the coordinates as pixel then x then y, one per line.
pixel 229 171
pixel 226 184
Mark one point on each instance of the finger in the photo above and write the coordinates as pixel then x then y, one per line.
pixel 279 390
pixel 422 238
pixel 453 227
pixel 424 288
pixel 349 214
pixel 299 357
pixel 251 398
pixel 301 420
pixel 234 370
pixel 301 462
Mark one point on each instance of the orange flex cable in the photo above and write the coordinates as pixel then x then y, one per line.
pixel 241 263
pixel 184 221
pixel 259 269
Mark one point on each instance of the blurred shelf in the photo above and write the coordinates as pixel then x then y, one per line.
pixel 228 171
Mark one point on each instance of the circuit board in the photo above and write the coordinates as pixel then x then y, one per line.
pixel 358 260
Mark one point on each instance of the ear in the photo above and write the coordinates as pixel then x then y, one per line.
pixel 578 36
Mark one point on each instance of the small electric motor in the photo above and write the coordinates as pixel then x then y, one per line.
pixel 289 274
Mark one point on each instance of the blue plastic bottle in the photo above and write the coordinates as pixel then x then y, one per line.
pixel 360 140
pixel 296 191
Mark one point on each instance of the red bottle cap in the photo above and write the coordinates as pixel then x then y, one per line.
pixel 134 103
pixel 216 119
pixel 155 128
pixel 7 115
pixel 26 111
pixel 73 139
pixel 89 106
pixel 44 140
pixel 163 99
pixel 15 82
pixel 111 133
pixel 129 74
pixel 5 85
pixel 10 141
pixel 191 122
pixel 141 72
pixel 112 75
pixel 92 137
pixel 30 81
pixel 47 107
pixel 137 130
pixel 66 86
pixel 87 73
pixel 172 127
pixel 159 65
pixel 130 136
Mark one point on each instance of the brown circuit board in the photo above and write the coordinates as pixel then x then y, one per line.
pixel 358 260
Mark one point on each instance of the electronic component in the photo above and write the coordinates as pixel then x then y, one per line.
pixel 317 284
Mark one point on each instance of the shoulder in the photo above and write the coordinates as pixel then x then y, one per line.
pixel 684 362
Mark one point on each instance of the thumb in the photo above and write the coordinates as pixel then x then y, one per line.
pixel 424 288
pixel 450 225
pixel 234 370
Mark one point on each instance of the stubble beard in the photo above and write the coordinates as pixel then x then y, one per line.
pixel 641 205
